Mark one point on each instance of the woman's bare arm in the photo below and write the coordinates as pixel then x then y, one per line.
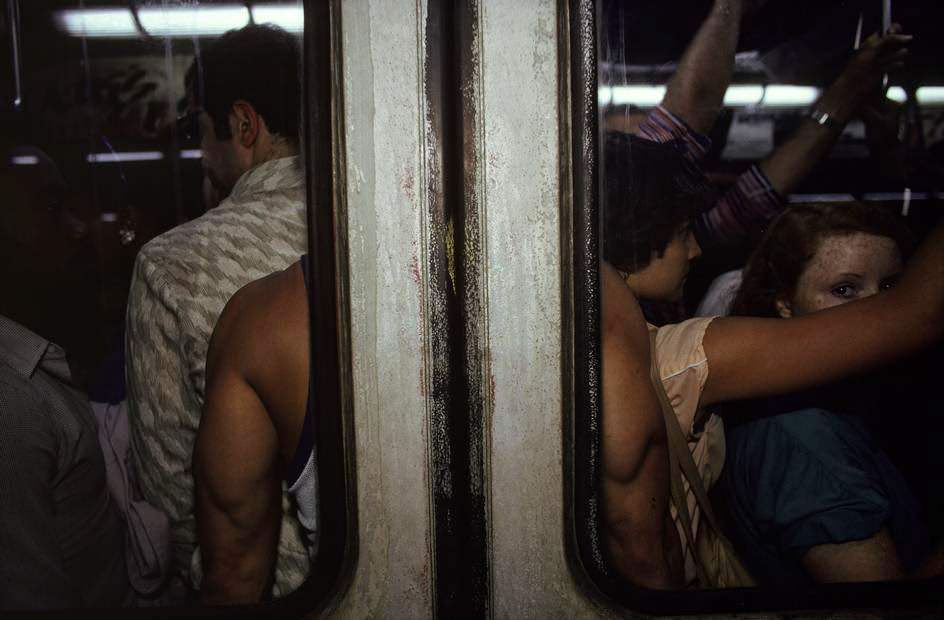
pixel 753 357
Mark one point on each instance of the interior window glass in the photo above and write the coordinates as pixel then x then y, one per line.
pixel 113 136
pixel 737 138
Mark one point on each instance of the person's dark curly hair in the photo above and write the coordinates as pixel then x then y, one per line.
pixel 775 266
pixel 258 64
pixel 650 191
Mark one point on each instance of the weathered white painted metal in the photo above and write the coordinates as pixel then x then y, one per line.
pixel 518 186
pixel 517 189
pixel 385 124
pixel 520 168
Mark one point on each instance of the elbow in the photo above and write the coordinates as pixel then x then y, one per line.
pixel 232 583
pixel 641 559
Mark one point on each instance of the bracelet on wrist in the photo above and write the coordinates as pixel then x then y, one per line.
pixel 825 119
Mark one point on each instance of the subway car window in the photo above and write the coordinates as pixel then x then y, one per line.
pixel 154 219
pixel 770 187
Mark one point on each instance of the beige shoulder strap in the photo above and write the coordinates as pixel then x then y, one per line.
pixel 678 454
pixel 680 458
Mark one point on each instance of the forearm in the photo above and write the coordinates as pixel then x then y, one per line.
pixel 237 482
pixel 234 579
pixel 744 208
pixel 696 91
pixel 237 551
pixel 789 164
pixel 643 563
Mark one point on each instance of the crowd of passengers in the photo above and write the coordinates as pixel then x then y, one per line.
pixel 739 446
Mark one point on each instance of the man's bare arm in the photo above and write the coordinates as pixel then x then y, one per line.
pixel 696 91
pixel 237 481
pixel 640 536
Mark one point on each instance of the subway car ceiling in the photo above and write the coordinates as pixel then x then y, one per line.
pixel 788 52
pixel 774 82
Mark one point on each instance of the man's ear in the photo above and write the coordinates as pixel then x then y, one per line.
pixel 784 308
pixel 246 123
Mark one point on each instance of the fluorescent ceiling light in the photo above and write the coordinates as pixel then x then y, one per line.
pixel 24 160
pixel 786 95
pixel 893 196
pixel 930 95
pixel 191 154
pixel 192 20
pixel 927 95
pixel 108 158
pixel 96 22
pixel 801 198
pixel 290 18
pixel 604 95
pixel 896 93
pixel 743 94
pixel 737 95
pixel 641 95
pixel 158 21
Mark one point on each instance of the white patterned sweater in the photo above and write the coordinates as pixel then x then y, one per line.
pixel 182 280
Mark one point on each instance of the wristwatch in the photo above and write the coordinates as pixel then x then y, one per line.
pixel 824 118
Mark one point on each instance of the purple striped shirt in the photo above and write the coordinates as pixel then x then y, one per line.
pixel 748 204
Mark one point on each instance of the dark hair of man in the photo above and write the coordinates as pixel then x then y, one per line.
pixel 792 240
pixel 257 64
pixel 650 191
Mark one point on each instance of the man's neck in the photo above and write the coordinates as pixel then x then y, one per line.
pixel 275 147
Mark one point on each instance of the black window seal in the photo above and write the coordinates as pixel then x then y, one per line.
pixel 322 89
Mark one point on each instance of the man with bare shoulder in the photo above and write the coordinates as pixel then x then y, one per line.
pixel 639 534
pixel 251 436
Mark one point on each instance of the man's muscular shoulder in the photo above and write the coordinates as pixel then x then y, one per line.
pixel 632 417
pixel 262 335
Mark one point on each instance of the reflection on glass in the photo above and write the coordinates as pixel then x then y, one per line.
pixel 95 168
pixel 796 160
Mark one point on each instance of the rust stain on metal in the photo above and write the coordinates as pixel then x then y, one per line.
pixel 414 265
pixel 408 184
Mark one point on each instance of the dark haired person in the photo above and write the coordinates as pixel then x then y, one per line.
pixel 244 96
pixel 811 494
pixel 693 98
pixel 705 361
pixel 61 533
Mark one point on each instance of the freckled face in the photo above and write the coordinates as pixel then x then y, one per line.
pixel 845 268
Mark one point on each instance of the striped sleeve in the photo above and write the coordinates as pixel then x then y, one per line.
pixel 748 205
pixel 663 126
